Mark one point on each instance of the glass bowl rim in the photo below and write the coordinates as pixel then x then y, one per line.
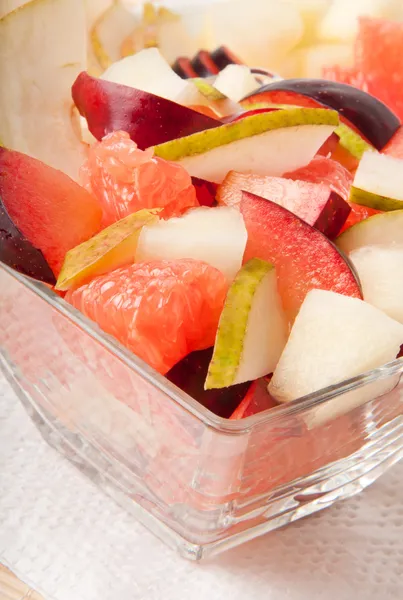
pixel 186 402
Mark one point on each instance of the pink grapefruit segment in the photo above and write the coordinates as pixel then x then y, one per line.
pixel 126 180
pixel 160 310
pixel 378 55
pixel 377 62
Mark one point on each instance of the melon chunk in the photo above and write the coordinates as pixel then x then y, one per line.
pixel 335 338
pixel 214 235
pixel 378 182
pixel 380 269
pixel 378 230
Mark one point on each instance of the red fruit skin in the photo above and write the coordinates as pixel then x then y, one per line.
pixel 204 65
pixel 329 146
pixel 223 57
pixel 247 113
pixel 274 96
pixel 304 258
pixel 330 172
pixel 183 67
pixel 149 119
pixel 256 400
pixel 49 209
pixel 378 57
pixel 315 203
pixel 160 310
pixel 361 111
pixel 190 376
pixel 205 191
pixel 18 252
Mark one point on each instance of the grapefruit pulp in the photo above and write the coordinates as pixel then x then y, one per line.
pixel 126 180
pixel 378 63
pixel 160 310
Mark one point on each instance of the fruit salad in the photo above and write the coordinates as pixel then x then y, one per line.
pixel 240 232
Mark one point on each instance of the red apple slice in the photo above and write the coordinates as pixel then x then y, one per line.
pixel 316 204
pixel 304 258
pixel 149 119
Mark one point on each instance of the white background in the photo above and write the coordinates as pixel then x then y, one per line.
pixel 63 536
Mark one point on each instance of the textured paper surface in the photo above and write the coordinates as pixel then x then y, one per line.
pixel 70 542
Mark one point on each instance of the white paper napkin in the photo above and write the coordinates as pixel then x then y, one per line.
pixel 65 538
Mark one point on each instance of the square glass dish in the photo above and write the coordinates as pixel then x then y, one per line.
pixel 202 483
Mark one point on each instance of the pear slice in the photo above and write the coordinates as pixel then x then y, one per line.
pixel 114 24
pixel 380 269
pixel 378 182
pixel 269 143
pixel 334 338
pixel 185 34
pixel 350 140
pixel 379 230
pixel 110 249
pixel 208 90
pixel 252 329
pixel 42 51
pixel 214 235
pixel 262 32
pixel 236 82
pixel 94 10
pixel 210 96
pixel 147 71
pixel 8 6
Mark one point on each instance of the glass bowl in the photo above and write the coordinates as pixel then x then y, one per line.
pixel 202 483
